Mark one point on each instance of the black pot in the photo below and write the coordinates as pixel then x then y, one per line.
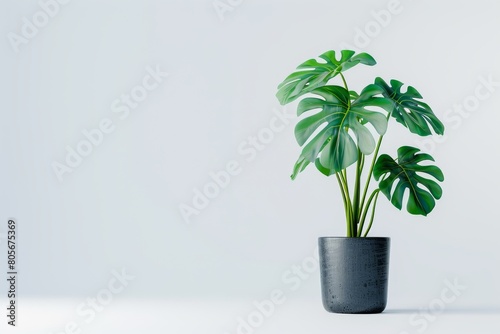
pixel 354 274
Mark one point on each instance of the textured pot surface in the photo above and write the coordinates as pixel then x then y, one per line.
pixel 354 274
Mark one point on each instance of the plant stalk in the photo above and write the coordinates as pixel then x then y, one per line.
pixel 372 215
pixel 346 205
pixel 357 191
pixel 362 220
pixel 370 173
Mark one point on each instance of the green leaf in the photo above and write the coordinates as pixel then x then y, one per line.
pixel 322 169
pixel 313 74
pixel 407 110
pixel 406 173
pixel 299 166
pixel 326 133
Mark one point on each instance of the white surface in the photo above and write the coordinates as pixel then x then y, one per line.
pixel 191 317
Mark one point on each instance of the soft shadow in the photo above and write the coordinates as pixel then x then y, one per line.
pixel 472 310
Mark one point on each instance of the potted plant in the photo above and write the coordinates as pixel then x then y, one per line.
pixel 336 132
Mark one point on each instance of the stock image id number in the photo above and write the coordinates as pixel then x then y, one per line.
pixel 11 245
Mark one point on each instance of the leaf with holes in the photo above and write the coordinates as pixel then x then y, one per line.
pixel 326 133
pixel 406 173
pixel 313 74
pixel 409 110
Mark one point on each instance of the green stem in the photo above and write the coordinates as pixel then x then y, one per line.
pixel 362 163
pixel 357 191
pixel 346 88
pixel 365 211
pixel 346 207
pixel 373 215
pixel 343 80
pixel 343 178
pixel 370 173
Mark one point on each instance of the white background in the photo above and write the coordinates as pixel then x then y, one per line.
pixel 119 208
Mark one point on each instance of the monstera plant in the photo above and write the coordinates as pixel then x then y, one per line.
pixel 342 129
pixel 337 132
